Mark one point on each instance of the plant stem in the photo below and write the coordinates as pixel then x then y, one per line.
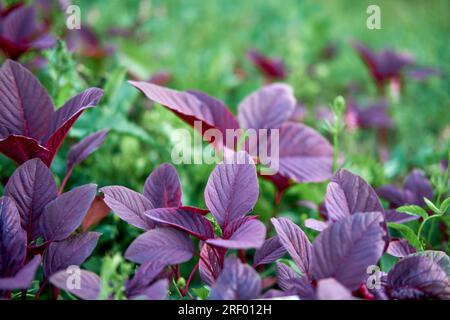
pixel 335 149
pixel 41 288
pixel 242 256
pixel 177 271
pixel 445 181
pixel 64 182
pixel 55 292
pixel 186 288
pixel 419 232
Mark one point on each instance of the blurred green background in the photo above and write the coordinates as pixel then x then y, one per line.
pixel 202 44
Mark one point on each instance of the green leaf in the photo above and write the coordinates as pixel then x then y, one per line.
pixel 338 106
pixel 109 276
pixel 432 206
pixel 444 205
pixel 408 233
pixel 202 293
pixel 115 81
pixel 413 210
pixel 290 264
pixel 217 229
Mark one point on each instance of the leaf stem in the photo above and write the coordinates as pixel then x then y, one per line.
pixel 242 256
pixel 41 288
pixel 186 288
pixel 335 150
pixel 64 182
pixel 419 232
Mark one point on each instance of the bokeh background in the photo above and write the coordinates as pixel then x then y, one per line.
pixel 202 45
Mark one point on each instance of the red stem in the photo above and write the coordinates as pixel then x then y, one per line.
pixel 5 295
pixel 177 271
pixel 41 288
pixel 55 292
pixel 242 256
pixel 186 288
pixel 64 182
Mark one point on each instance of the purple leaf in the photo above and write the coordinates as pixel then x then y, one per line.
pixel 191 106
pixel 144 277
pixel 439 257
pixel 392 194
pixel 44 41
pixel 232 227
pixel 345 249
pixel 163 188
pixel 421 74
pixel 285 276
pixel 25 106
pixel 237 281
pixel 415 188
pixel 193 223
pixel 20 149
pixel 303 288
pixel 167 245
pixel 274 294
pixel 211 263
pixel 374 116
pixel 269 67
pixel 88 287
pixel 270 251
pixel 400 248
pixel 157 291
pixel 29 127
pixel 417 277
pixel 160 78
pixel 295 241
pixel 316 225
pixel 398 217
pixel 13 239
pixel 347 194
pixel 331 289
pixel 32 187
pixel 249 235
pixel 71 251
pixel 19 24
pixel 20 32
pixel 384 65
pixel 419 187
pixel 64 214
pixel 267 108
pixel 304 155
pixel 80 151
pixel 299 113
pixel 87 43
pixel 222 117
pixel 232 189
pixel 23 277
pixel 65 117
pixel 129 205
